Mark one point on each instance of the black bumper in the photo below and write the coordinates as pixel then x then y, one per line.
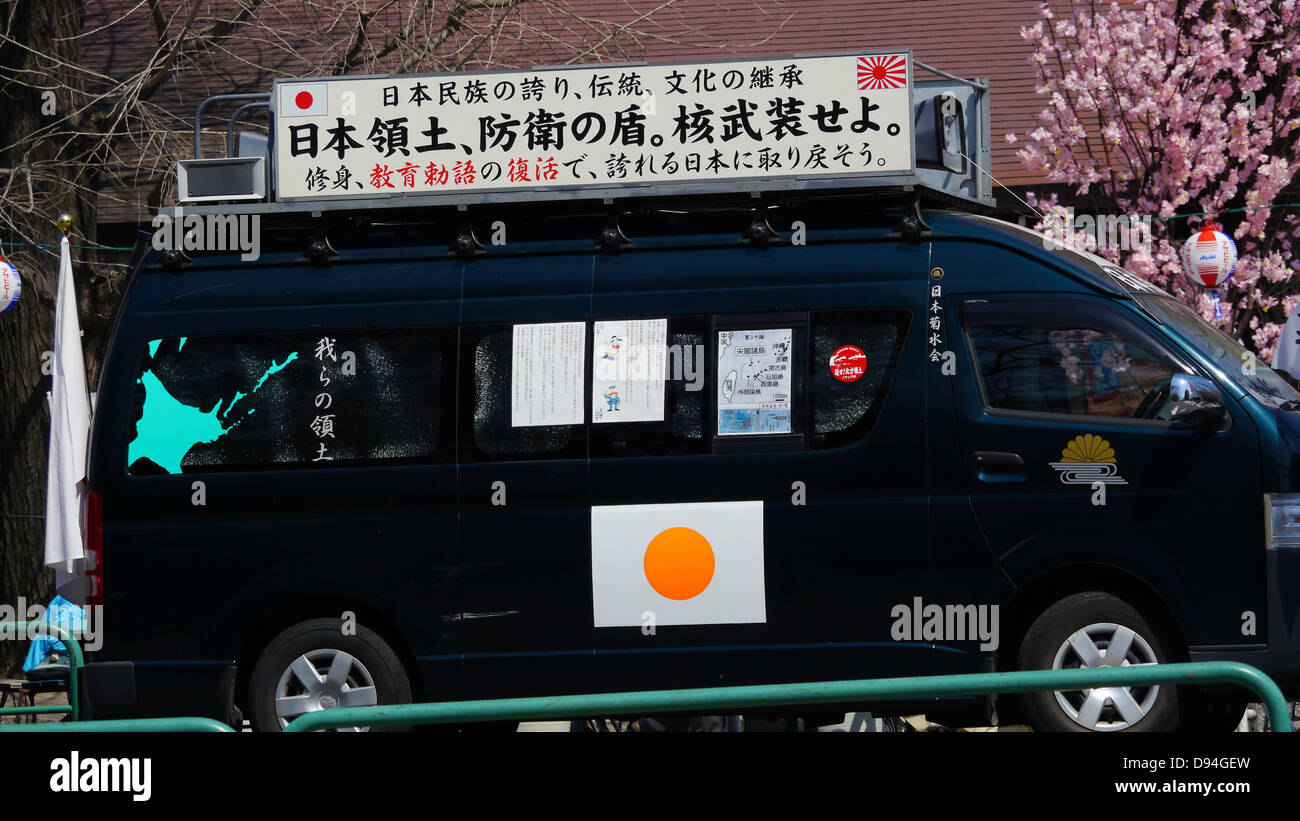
pixel 124 689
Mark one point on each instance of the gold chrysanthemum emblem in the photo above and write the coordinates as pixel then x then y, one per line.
pixel 1088 448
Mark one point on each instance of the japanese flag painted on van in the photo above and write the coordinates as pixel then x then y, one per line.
pixel 695 563
pixel 303 100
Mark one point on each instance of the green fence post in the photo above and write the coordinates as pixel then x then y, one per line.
pixel 74 669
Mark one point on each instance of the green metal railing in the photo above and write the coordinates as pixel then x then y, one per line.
pixel 73 706
pixel 655 702
pixel 182 724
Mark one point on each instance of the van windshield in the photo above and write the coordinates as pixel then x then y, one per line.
pixel 1263 383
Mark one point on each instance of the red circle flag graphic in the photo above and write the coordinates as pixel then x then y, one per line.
pixel 303 100
pixel 888 71
pixel 848 363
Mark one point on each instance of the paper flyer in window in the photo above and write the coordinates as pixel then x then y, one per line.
pixel 546 374
pixel 629 370
pixel 754 382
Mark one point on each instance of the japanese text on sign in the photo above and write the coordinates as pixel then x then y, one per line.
pixel 546 374
pixel 594 126
pixel 754 381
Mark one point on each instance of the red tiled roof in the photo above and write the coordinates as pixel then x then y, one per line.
pixel 295 38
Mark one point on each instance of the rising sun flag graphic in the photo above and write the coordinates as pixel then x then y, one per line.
pixel 887 71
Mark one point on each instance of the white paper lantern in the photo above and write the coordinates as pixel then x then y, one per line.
pixel 1209 256
pixel 11 286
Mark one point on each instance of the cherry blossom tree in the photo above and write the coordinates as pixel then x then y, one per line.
pixel 1171 109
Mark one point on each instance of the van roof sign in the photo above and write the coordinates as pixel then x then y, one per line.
pixel 677 124
pixel 585 132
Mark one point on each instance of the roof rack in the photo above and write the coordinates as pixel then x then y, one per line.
pixel 808 126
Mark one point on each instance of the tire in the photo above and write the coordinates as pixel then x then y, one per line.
pixel 1080 630
pixel 1214 713
pixel 313 665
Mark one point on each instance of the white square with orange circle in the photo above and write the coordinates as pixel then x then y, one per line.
pixel 693 563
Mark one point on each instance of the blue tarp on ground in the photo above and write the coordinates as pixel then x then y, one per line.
pixel 59 611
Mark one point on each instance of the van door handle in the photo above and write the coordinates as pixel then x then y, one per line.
pixel 998 459
pixel 996 466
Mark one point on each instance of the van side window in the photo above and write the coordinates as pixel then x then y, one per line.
pixel 490 434
pixel 1068 358
pixel 293 400
pixel 854 357
pixel 681 430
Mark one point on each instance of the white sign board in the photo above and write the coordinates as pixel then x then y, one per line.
pixel 546 374
pixel 628 370
pixel 754 382
pixel 594 127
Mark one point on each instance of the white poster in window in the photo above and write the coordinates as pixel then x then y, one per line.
pixel 754 382
pixel 546 374
pixel 629 368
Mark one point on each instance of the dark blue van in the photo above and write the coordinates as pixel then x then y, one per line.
pixel 870 436
pixel 1089 476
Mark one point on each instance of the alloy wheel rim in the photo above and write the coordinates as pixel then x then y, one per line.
pixel 1105 709
pixel 322 680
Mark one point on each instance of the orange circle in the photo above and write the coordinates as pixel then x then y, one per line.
pixel 679 563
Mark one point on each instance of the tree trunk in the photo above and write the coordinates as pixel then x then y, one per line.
pixel 49 30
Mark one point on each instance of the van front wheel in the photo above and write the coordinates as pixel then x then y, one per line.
pixel 314 666
pixel 1096 629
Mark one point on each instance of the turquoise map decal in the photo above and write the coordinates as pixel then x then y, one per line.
pixel 168 428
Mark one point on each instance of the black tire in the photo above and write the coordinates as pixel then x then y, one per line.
pixel 1157 709
pixel 374 664
pixel 1214 713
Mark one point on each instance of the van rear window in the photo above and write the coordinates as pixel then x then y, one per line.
pixel 494 432
pixel 317 399
pixel 854 357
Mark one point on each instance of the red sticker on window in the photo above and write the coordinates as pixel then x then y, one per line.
pixel 848 364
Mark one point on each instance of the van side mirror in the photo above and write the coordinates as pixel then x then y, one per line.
pixel 1196 400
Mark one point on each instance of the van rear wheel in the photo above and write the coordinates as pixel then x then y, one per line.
pixel 314 666
pixel 1096 629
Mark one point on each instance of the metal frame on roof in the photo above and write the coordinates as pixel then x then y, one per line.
pixel 968 188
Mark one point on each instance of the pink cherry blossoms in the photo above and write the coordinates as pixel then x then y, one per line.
pixel 1174 107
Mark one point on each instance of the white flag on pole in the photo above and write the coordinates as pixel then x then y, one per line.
pixel 69 440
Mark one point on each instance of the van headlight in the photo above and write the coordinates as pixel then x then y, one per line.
pixel 1282 519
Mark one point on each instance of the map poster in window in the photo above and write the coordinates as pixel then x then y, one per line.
pixel 546 374
pixel 629 366
pixel 754 382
